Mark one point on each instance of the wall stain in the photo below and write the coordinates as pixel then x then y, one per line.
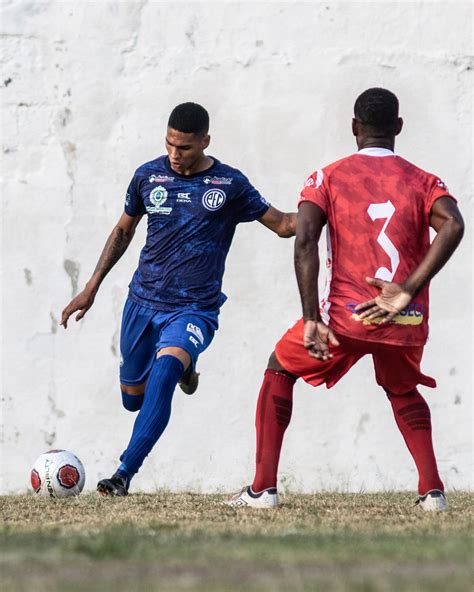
pixel 28 276
pixel 54 323
pixel 452 371
pixel 457 400
pixel 49 438
pixel 7 81
pixel 72 269
pixel 364 418
pixel 65 117
pixel 54 410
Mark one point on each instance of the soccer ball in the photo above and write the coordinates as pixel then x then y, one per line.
pixel 58 473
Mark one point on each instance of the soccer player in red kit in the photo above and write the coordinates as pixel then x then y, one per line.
pixel 377 208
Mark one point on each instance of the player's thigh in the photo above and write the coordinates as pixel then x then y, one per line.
pixel 398 368
pixel 294 358
pixel 191 331
pixel 137 343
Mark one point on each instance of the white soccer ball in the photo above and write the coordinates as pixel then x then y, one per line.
pixel 58 473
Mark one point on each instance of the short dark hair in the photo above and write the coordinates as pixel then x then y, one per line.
pixel 377 108
pixel 189 118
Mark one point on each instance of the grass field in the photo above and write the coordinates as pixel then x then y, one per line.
pixel 173 542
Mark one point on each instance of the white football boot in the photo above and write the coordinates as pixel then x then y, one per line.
pixel 268 498
pixel 433 501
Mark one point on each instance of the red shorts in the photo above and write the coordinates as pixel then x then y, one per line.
pixel 397 368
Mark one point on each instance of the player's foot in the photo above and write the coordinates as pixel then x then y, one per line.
pixel 433 501
pixel 189 382
pixel 117 485
pixel 268 498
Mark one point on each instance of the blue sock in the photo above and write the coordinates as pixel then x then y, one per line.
pixel 155 412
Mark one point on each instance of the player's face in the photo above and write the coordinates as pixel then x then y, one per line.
pixel 185 151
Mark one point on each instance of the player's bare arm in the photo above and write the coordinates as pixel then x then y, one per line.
pixel 317 336
pixel 447 220
pixel 281 223
pixel 114 248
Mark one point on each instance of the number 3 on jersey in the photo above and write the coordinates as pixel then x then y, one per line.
pixel 376 212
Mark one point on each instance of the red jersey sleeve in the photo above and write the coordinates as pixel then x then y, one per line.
pixel 438 189
pixel 314 190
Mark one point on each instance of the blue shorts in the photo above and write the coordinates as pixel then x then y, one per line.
pixel 145 331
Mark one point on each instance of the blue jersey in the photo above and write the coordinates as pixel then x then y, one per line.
pixel 191 223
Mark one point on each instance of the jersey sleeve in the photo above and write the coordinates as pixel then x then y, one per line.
pixel 134 205
pixel 315 190
pixel 251 205
pixel 437 189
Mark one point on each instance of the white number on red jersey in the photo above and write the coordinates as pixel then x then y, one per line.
pixel 385 210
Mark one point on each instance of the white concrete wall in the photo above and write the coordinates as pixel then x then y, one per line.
pixel 87 88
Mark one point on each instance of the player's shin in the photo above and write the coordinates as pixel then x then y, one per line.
pixel 154 413
pixel 413 418
pixel 274 407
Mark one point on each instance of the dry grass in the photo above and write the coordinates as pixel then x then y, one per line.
pixel 174 542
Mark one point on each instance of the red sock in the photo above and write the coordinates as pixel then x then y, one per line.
pixel 275 403
pixel 413 418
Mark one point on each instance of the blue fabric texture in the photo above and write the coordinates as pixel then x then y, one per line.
pixel 155 412
pixel 145 331
pixel 132 402
pixel 191 223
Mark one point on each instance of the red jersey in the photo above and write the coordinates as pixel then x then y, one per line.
pixel 378 208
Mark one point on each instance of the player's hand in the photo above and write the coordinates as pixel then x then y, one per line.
pixel 317 338
pixel 393 298
pixel 82 302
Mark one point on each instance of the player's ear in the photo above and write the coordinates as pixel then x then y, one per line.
pixel 399 126
pixel 206 140
pixel 355 127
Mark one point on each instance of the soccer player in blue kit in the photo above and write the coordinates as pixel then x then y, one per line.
pixel 193 203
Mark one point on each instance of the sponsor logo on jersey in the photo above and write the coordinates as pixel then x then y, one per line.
pixel 127 199
pixel 213 199
pixel 413 314
pixel 184 198
pixel 160 179
pixel 193 341
pixel 309 182
pixel 158 196
pixel 217 180
pixel 195 330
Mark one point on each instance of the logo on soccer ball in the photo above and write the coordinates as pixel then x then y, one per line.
pixel 35 481
pixel 68 476
pixel 213 199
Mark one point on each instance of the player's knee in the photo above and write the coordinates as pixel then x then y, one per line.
pixel 132 402
pixel 274 364
pixel 412 393
pixel 177 352
pixel 132 396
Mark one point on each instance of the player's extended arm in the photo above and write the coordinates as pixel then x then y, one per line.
pixel 114 248
pixel 446 219
pixel 283 224
pixel 317 336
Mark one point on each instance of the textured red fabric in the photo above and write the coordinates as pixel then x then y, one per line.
pixel 378 211
pixel 413 418
pixel 274 407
